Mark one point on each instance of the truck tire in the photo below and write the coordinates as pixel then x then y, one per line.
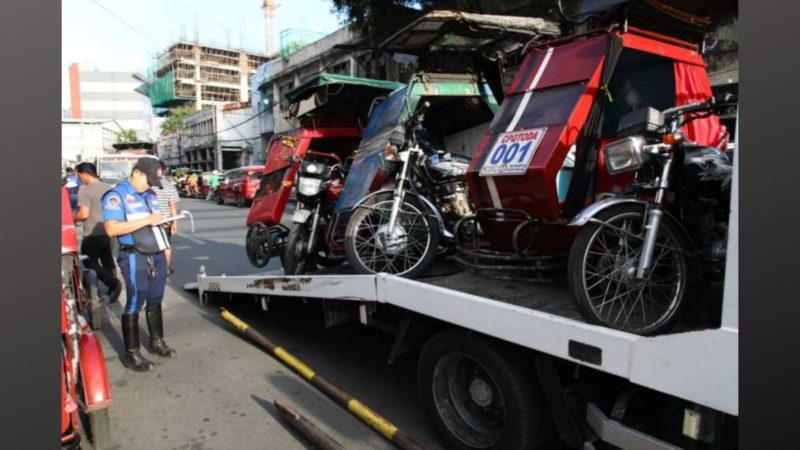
pixel 482 394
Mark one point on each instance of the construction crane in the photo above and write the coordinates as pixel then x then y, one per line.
pixel 269 7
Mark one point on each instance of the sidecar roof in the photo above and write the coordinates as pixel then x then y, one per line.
pixel 455 31
pixel 330 94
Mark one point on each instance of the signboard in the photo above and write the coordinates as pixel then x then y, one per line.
pixel 512 152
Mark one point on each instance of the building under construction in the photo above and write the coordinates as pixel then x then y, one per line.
pixel 189 73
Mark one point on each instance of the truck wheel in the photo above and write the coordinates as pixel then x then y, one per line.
pixel 481 394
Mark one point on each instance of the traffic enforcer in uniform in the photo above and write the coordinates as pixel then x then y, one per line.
pixel 131 213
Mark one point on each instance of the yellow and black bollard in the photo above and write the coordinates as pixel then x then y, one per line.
pixel 355 407
pixel 318 437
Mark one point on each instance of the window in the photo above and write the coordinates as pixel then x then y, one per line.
pixel 282 90
pixel 342 68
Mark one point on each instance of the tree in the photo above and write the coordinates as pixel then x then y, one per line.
pixel 174 121
pixel 378 19
pixel 127 136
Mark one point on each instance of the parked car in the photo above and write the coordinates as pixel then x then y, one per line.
pixel 239 185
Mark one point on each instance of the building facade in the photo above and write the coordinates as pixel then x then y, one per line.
pixel 109 96
pixel 220 138
pixel 85 139
pixel 189 73
pixel 335 53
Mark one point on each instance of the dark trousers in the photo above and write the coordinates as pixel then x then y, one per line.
pixel 140 289
pixel 98 258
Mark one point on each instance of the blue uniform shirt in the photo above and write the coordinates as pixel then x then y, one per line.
pixel 122 203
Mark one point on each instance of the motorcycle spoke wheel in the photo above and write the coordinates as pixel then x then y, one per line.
pixel 405 252
pixel 610 289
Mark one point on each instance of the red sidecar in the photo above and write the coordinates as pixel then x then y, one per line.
pixel 85 388
pixel 541 160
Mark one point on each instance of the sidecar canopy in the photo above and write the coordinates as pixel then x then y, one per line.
pixel 331 95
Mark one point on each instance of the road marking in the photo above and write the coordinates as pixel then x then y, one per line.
pixel 201 257
pixel 182 247
pixel 190 239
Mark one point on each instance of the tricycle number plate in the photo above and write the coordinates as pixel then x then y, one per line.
pixel 512 152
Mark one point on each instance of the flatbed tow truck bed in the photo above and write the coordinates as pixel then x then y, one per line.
pixel 701 366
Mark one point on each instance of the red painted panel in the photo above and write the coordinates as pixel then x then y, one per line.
pixel 636 42
pixel 576 61
pixel 96 387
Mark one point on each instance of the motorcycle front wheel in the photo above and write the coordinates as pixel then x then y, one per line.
pixel 408 252
pixel 602 267
pixel 296 259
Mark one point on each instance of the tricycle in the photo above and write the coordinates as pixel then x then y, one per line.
pixel 330 110
pixel 85 388
pixel 551 161
pixel 418 142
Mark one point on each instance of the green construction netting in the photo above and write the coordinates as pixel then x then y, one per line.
pixel 161 90
pixel 293 40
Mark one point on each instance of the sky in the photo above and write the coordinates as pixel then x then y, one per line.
pixel 96 38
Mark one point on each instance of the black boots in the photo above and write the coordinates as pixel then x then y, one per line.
pixel 155 325
pixel 130 336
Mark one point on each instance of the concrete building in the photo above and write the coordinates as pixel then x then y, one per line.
pixel 105 96
pixel 220 138
pixel 189 73
pixel 85 139
pixel 336 53
pixel 168 149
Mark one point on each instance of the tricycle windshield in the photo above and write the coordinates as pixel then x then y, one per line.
pixel 387 114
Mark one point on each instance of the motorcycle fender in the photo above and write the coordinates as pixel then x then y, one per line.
pixel 583 216
pixel 94 374
pixel 427 203
pixel 301 215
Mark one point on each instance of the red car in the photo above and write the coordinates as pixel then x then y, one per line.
pixel 239 185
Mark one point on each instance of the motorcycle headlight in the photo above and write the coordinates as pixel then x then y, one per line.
pixel 312 168
pixel 308 186
pixel 624 155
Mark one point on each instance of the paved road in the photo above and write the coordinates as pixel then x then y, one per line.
pixel 217 393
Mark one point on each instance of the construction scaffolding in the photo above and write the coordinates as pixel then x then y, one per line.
pixel 219 75
pixel 219 56
pixel 222 75
pixel 219 94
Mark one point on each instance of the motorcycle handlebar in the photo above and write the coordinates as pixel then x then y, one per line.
pixel 723 101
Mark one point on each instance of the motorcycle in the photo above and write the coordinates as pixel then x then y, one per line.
pixel 401 230
pixel 319 184
pixel 640 255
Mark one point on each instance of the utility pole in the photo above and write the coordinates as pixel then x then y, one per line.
pixel 269 7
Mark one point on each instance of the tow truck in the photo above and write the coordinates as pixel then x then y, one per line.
pixel 510 364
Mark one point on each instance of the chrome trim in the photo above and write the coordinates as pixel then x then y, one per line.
pixel 590 211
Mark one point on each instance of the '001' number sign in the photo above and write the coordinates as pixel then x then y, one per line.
pixel 512 152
